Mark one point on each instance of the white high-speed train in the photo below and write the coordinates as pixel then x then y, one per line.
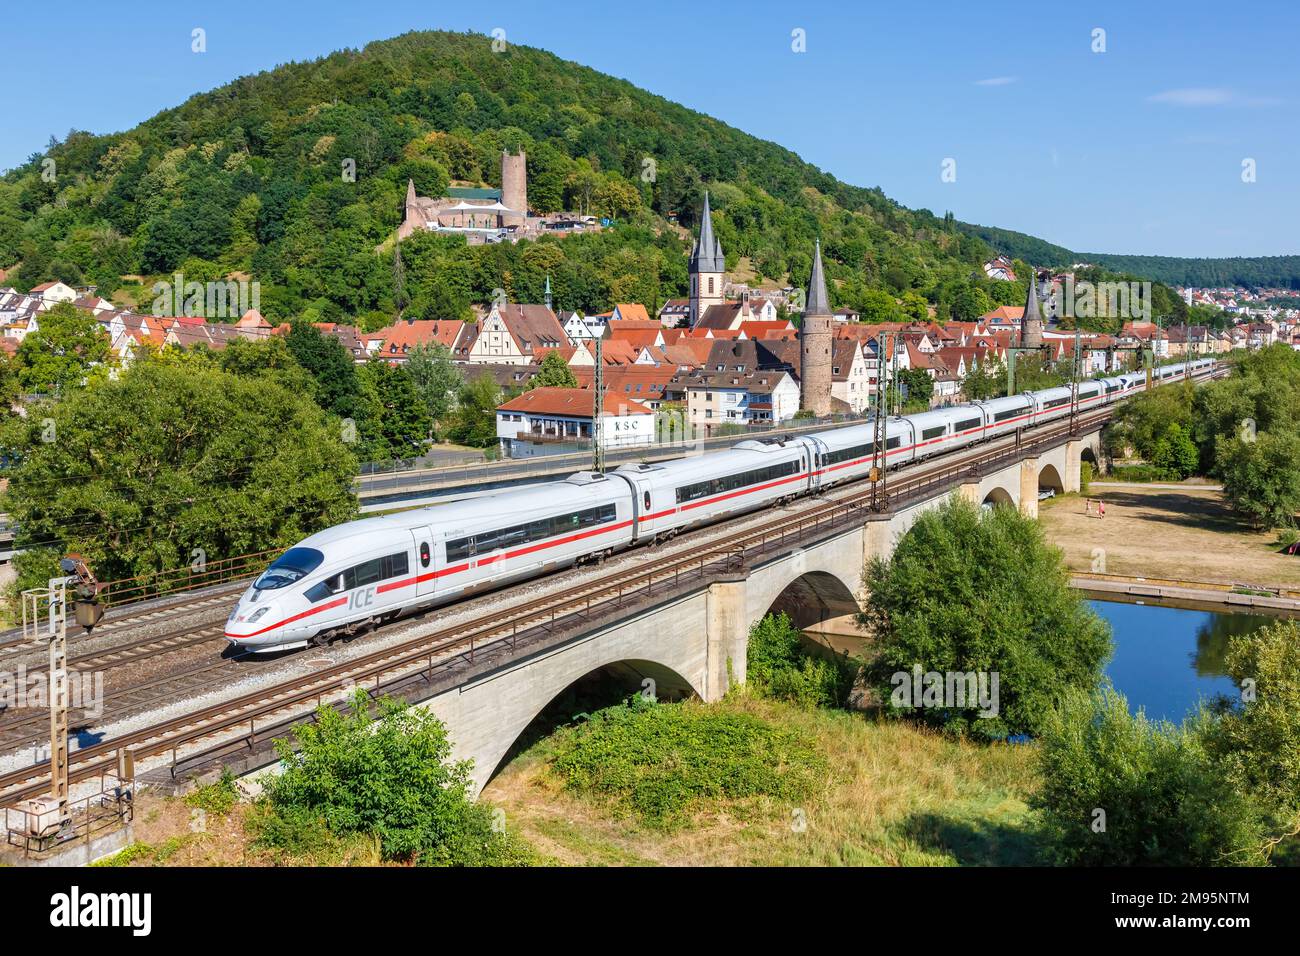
pixel 362 573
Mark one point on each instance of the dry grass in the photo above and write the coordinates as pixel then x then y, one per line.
pixel 169 832
pixel 1189 535
pixel 895 796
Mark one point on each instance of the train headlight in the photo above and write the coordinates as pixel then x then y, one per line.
pixel 258 615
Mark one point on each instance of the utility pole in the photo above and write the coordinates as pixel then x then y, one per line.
pixel 1074 380
pixel 880 421
pixel 54 599
pixel 598 406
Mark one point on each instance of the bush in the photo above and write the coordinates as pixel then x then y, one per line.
pixel 779 666
pixel 388 776
pixel 974 591
pixel 661 762
pixel 1256 740
pixel 1085 476
pixel 1165 802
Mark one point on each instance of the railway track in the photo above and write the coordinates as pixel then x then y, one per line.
pixel 293 698
pixel 13 644
pixel 29 727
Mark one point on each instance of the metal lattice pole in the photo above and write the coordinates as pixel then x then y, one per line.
pixel 598 407
pixel 59 695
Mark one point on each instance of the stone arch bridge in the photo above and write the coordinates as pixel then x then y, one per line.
pixel 694 641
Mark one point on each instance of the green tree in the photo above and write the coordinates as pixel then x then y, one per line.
pixel 58 356
pixel 330 366
pixel 1119 790
pixel 437 379
pixel 984 380
pixel 390 776
pixel 1175 453
pixel 397 422
pixel 920 387
pixel 975 590
pixel 1261 479
pixel 554 371
pixel 170 464
pixel 1257 737
pixel 474 422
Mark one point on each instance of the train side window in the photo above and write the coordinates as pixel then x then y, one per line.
pixel 647 501
pixel 935 432
pixel 424 554
pixel 368 572
pixel 395 565
pixel 319 592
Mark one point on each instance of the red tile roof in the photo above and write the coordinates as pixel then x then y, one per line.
pixel 572 403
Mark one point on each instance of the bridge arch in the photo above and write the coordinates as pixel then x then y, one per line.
pixel 597 687
pixel 813 598
pixel 998 497
pixel 1050 477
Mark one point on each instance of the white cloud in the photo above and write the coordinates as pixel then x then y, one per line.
pixel 1209 96
pixel 996 81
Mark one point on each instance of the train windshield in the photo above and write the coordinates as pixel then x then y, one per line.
pixel 293 565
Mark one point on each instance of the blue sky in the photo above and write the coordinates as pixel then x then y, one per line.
pixel 1137 149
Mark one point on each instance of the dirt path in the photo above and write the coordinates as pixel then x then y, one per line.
pixel 1184 533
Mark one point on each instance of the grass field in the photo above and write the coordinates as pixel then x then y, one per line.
pixel 892 795
pixel 1187 534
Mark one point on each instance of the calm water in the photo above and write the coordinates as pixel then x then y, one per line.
pixel 1167 659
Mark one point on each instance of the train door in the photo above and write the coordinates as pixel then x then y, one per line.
pixel 815 449
pixel 424 566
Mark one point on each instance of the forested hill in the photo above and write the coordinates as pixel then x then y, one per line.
pixel 1260 271
pixel 249 180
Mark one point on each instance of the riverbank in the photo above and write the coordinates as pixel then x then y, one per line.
pixel 1180 533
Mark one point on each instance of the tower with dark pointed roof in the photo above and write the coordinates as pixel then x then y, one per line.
pixel 1031 323
pixel 815 338
pixel 707 265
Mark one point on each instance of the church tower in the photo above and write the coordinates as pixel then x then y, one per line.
pixel 815 338
pixel 1031 323
pixel 707 265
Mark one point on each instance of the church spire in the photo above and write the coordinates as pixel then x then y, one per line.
pixel 817 303
pixel 548 290
pixel 707 254
pixel 1031 324
pixel 410 193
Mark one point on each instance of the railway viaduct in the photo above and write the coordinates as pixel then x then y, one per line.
pixel 693 641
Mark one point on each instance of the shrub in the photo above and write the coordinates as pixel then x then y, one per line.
pixel 779 666
pixel 1165 802
pixel 389 776
pixel 1256 740
pixel 661 762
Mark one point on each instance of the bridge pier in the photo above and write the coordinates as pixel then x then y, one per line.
pixel 1073 460
pixel 727 637
pixel 1029 487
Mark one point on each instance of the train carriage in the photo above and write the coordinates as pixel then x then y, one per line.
pixel 679 494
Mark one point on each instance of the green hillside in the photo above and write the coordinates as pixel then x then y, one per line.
pixel 248 180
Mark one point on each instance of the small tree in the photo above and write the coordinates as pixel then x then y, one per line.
pixel 58 355
pixel 1260 477
pixel 391 776
pixel 968 590
pixel 437 380
pixel 555 372
pixel 1257 738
